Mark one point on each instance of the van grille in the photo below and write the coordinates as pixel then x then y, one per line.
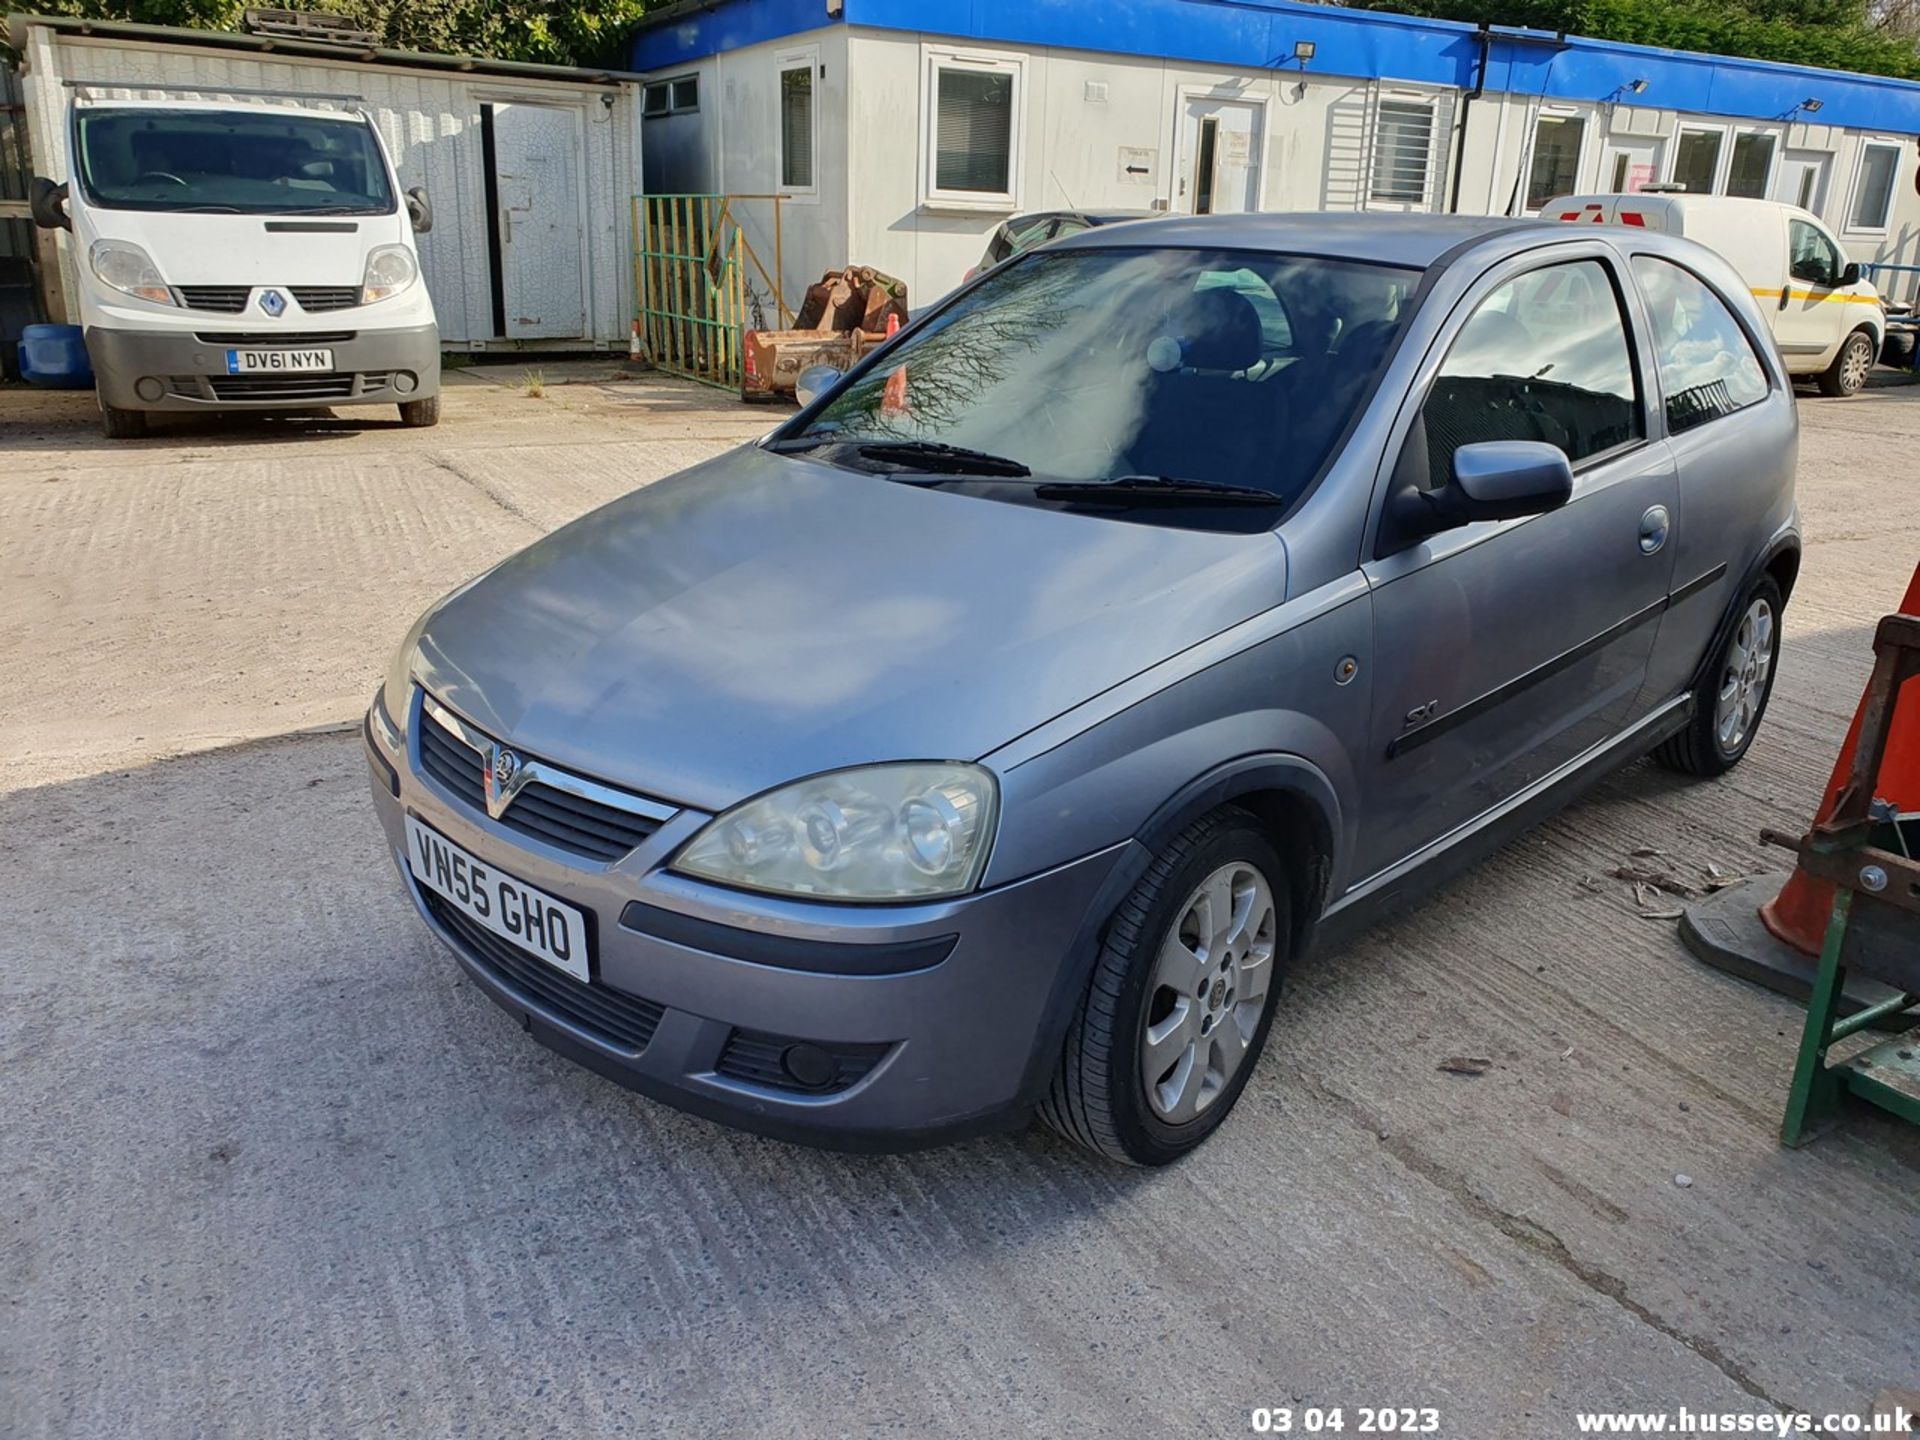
pixel 314 298
pixel 280 387
pixel 275 339
pixel 228 299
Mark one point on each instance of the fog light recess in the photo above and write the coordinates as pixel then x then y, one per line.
pixel 148 387
pixel 810 1066
pixel 404 381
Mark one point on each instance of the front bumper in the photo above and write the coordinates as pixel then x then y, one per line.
pixel 187 370
pixel 698 994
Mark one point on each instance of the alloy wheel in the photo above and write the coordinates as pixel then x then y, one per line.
pixel 1743 678
pixel 1856 363
pixel 1207 991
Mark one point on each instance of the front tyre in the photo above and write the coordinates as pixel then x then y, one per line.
pixel 1729 706
pixel 1181 997
pixel 118 424
pixel 1848 373
pixel 420 414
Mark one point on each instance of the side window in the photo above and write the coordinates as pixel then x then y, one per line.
pixel 1812 257
pixel 1707 364
pixel 1544 357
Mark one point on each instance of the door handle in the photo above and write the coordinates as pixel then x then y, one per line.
pixel 506 224
pixel 1654 526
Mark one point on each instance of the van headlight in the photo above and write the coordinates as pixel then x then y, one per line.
pixel 390 269
pixel 127 268
pixel 914 831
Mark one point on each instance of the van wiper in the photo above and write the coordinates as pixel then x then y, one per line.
pixel 1154 490
pixel 208 210
pixel 940 459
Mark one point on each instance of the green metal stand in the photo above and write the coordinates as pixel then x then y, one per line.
pixel 1868 853
pixel 1888 1075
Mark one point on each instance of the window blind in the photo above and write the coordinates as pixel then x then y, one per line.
pixel 973 131
pixel 796 127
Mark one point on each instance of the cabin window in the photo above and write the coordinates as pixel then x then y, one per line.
pixel 1696 161
pixel 1873 187
pixel 1556 158
pixel 1752 166
pixel 797 123
pixel 1402 152
pixel 972 128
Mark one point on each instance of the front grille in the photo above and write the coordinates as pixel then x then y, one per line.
pixel 626 1022
pixel 275 339
pixel 228 299
pixel 326 297
pixel 572 822
pixel 761 1059
pixel 281 387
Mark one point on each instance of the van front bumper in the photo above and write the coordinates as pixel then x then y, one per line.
pixel 907 1025
pixel 187 370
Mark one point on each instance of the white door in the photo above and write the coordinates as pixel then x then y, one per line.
pixel 536 161
pixel 1219 153
pixel 1802 179
pixel 1630 166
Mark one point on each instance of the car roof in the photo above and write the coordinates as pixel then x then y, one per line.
pixel 1389 239
pixel 209 107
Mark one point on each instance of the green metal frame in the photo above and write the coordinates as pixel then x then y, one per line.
pixel 689 296
pixel 1887 1075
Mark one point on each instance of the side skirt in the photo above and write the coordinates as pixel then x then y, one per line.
pixel 1401 885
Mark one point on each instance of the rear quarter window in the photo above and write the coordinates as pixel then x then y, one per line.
pixel 1708 366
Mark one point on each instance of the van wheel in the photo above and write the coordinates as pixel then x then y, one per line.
pixel 1181 997
pixel 118 424
pixel 1849 369
pixel 1729 706
pixel 420 414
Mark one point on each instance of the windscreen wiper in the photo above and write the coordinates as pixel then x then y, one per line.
pixel 941 459
pixel 1154 490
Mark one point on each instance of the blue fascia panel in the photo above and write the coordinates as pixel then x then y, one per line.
pixel 725 25
pixel 1254 34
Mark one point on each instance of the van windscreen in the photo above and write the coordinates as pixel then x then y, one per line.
pixel 249 163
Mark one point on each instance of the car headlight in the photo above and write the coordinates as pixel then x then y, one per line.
pixel 390 269
pixel 398 686
pixel 130 270
pixel 882 832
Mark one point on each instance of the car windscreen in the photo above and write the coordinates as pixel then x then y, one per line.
pixel 250 163
pixel 1210 368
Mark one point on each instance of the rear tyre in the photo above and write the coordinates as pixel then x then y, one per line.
pixel 420 414
pixel 118 424
pixel 1729 706
pixel 1181 998
pixel 1848 373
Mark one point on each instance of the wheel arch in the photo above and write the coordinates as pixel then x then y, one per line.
pixel 1291 796
pixel 1781 561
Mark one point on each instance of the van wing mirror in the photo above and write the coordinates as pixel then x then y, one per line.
pixel 419 210
pixel 48 204
pixel 1850 273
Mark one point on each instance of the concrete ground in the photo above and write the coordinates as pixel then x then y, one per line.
pixel 270 1168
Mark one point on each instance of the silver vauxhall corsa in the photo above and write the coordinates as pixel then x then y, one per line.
pixel 991 736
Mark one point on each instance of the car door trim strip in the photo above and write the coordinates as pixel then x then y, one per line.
pixel 1547 669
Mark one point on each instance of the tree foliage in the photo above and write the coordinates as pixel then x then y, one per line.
pixel 1836 34
pixel 564 32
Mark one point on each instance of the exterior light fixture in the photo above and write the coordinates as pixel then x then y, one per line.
pixel 1638 87
pixel 1811 105
pixel 1303 51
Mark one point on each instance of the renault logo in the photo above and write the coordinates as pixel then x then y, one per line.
pixel 273 302
pixel 505 775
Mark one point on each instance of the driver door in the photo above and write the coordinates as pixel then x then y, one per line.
pixel 1505 649
pixel 1813 316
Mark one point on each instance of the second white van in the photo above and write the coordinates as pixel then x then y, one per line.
pixel 1827 322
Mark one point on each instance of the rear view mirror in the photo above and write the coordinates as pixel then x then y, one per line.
pixel 1851 274
pixel 48 204
pixel 813 382
pixel 1506 479
pixel 419 210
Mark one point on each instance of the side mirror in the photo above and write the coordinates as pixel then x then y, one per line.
pixel 48 204
pixel 1492 480
pixel 813 382
pixel 1851 274
pixel 419 210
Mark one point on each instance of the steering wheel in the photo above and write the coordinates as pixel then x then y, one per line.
pixel 166 175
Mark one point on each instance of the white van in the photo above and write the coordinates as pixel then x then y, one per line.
pixel 242 257
pixel 1826 320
